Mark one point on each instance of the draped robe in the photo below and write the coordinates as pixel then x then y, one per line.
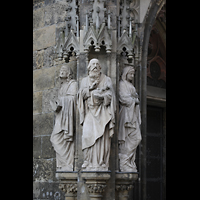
pixel 62 135
pixel 129 135
pixel 98 119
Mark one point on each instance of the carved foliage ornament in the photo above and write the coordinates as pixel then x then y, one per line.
pixel 96 188
pixel 122 187
pixel 68 187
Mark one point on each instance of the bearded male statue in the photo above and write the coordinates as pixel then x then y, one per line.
pixel 65 109
pixel 97 106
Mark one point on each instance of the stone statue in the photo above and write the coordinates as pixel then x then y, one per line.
pixel 129 120
pixel 65 108
pixel 97 106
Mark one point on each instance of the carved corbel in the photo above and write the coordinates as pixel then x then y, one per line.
pixel 125 183
pixel 68 184
pixel 96 183
pixel 70 190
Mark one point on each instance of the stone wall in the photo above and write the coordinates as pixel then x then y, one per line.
pixel 48 17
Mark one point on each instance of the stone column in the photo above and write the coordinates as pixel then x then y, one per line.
pixel 68 184
pixel 125 182
pixel 96 183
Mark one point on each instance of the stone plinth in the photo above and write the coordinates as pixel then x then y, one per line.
pixel 96 182
pixel 68 184
pixel 124 182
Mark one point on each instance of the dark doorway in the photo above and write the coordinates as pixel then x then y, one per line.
pixel 154 153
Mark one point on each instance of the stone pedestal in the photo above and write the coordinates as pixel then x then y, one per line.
pixel 124 182
pixel 68 184
pixel 96 182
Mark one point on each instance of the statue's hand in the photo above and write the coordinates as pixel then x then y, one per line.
pixel 85 93
pixel 53 105
pixel 98 96
pixel 94 85
pixel 137 101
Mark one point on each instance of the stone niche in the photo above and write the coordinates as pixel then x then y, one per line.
pixel 78 33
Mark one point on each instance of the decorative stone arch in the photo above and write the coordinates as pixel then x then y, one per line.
pixel 97 38
pixel 149 20
pixel 88 38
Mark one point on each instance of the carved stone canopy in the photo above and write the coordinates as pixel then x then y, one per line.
pixel 125 42
pixel 71 43
pixel 96 38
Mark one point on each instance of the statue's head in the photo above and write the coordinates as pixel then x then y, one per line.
pixel 94 69
pixel 94 65
pixel 128 73
pixel 65 72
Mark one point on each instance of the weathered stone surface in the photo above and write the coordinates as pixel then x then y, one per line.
pixel 132 176
pixel 84 6
pixel 36 147
pixel 48 57
pixel 37 102
pixel 43 170
pixel 43 124
pixel 46 2
pixel 96 176
pixel 82 71
pixel 67 175
pixel 34 60
pixel 36 190
pixel 46 190
pixel 44 37
pixel 55 13
pixel 113 18
pixel 37 4
pixel 38 18
pixel 48 95
pixel 47 148
pixel 40 59
pixel 43 78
